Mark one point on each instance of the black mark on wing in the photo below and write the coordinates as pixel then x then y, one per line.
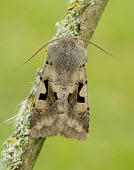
pixel 55 95
pixel 79 98
pixel 44 96
pixel 69 97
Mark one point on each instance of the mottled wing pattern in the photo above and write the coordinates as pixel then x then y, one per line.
pixel 44 116
pixel 77 123
pixel 61 101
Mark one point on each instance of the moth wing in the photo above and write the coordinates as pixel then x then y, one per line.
pixel 44 118
pixel 77 123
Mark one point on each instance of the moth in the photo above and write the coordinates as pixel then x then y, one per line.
pixel 61 103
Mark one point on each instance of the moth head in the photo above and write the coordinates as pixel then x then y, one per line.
pixel 69 38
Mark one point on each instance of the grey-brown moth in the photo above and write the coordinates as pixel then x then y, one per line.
pixel 61 102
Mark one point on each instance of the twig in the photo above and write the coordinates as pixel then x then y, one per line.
pixel 20 150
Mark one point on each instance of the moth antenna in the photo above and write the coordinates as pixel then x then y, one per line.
pixel 40 50
pixel 96 46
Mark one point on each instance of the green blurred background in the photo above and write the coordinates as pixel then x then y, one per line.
pixel 24 27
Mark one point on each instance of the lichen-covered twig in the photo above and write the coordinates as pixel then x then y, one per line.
pixel 20 150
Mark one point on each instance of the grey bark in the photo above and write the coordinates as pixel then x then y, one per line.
pixel 30 156
pixel 90 18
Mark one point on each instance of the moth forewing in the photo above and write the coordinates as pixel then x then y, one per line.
pixel 61 101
